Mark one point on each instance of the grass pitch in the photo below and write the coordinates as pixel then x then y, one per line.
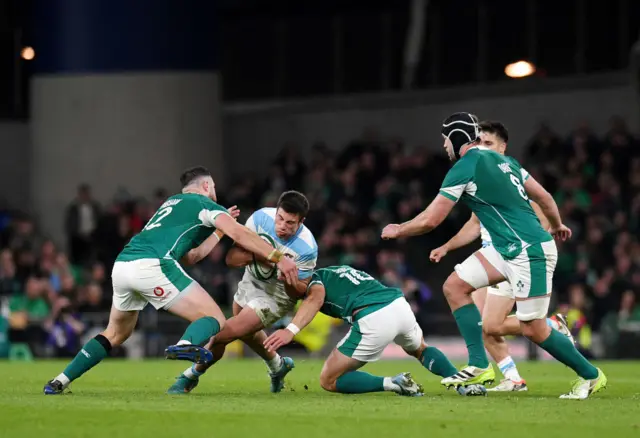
pixel 127 399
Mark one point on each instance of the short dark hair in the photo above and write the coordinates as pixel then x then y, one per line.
pixel 294 202
pixel 193 173
pixel 497 128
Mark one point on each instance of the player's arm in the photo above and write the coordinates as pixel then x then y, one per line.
pixel 250 240
pixel 469 232
pixel 196 254
pixel 455 184
pixel 238 257
pixel 306 264
pixel 541 217
pixel 548 206
pixel 425 222
pixel 306 312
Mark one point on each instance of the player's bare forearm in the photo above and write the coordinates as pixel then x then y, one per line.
pixel 310 306
pixel 299 289
pixel 469 232
pixel 544 200
pixel 541 217
pixel 248 239
pixel 429 219
pixel 197 254
pixel 238 257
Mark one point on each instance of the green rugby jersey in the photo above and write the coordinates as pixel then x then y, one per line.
pixel 492 185
pixel 182 223
pixel 348 289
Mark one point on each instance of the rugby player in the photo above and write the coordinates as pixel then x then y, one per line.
pixel 497 190
pixel 378 315
pixel 497 304
pixel 148 271
pixel 261 300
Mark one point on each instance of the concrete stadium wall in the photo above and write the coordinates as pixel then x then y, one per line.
pixel 259 130
pixel 15 174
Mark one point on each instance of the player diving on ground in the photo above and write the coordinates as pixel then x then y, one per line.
pixel 148 271
pixel 378 315
pixel 496 189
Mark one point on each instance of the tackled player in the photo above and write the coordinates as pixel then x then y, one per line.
pixel 261 299
pixel 147 271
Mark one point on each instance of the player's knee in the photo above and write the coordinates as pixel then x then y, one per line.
pixel 451 288
pixel 536 330
pixel 116 335
pixel 491 328
pixel 327 382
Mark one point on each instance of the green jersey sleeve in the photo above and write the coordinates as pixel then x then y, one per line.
pixel 210 212
pixel 315 279
pixel 459 180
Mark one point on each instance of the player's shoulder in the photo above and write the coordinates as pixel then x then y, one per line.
pixel 264 215
pixel 513 161
pixel 194 199
pixel 471 158
pixel 323 273
pixel 304 244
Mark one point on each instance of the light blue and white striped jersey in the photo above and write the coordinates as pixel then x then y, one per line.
pixel 302 246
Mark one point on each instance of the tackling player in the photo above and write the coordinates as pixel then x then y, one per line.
pixel 378 315
pixel 495 302
pixel 497 190
pixel 261 301
pixel 147 271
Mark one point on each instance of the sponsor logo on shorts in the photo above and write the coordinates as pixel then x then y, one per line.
pixel 158 291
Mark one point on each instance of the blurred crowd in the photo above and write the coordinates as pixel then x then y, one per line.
pixel 47 296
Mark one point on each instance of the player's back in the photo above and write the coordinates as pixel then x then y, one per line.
pixel 174 229
pixel 499 199
pixel 348 289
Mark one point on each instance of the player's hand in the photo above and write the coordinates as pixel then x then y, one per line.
pixel 438 254
pixel 289 270
pixel 390 231
pixel 278 339
pixel 561 233
pixel 234 211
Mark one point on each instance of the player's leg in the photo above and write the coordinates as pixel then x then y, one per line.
pixel 364 343
pixel 120 326
pixel 495 345
pixel 477 271
pixel 246 324
pixel 189 301
pixel 534 269
pixel 495 319
pixel 122 321
pixel 241 324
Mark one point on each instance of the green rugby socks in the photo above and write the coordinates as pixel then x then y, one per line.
pixel 436 362
pixel 200 331
pixel 470 325
pixel 560 347
pixel 91 354
pixel 358 382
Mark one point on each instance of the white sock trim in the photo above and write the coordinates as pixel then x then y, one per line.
pixel 192 373
pixel 274 364
pixel 183 342
pixel 63 379
pixel 388 385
